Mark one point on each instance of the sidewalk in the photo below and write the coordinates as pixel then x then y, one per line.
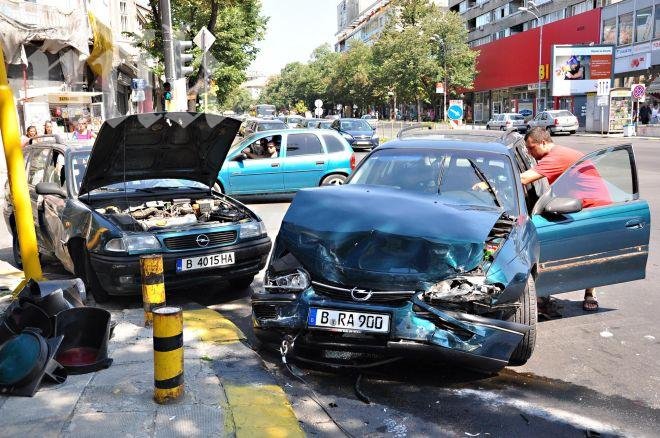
pixel 228 392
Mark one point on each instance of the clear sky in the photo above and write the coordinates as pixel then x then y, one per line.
pixel 295 28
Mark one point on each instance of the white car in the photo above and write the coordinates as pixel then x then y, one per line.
pixel 555 121
pixel 371 119
pixel 507 121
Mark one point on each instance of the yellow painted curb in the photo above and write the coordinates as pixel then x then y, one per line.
pixel 257 410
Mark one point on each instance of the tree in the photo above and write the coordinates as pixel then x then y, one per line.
pixel 237 25
pixel 353 75
pixel 239 100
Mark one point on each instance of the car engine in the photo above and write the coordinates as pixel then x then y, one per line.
pixel 159 215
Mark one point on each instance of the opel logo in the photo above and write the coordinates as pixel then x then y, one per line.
pixel 203 240
pixel 355 292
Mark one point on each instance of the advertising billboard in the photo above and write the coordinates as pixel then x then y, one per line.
pixel 577 69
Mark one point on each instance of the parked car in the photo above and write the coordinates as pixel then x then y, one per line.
pixel 260 125
pixel 409 258
pixel 371 119
pixel 294 121
pixel 324 124
pixel 310 123
pixel 555 121
pixel 144 188
pixel 358 132
pixel 305 158
pixel 507 121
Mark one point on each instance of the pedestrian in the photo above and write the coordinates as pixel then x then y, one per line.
pixel 30 133
pixel 552 161
pixel 82 132
pixel 644 114
pixel 48 127
pixel 655 114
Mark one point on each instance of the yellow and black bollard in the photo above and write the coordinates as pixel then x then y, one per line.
pixel 153 285
pixel 168 354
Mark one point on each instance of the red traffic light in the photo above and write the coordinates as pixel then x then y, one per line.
pixel 167 86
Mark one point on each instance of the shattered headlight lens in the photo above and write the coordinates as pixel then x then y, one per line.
pixel 252 229
pixel 133 243
pixel 295 282
pixel 462 290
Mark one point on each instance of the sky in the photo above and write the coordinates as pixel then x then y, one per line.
pixel 295 28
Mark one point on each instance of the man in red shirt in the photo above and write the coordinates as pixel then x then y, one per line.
pixel 583 182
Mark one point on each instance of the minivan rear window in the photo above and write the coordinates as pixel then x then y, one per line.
pixel 518 117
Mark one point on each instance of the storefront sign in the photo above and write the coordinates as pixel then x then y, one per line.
pixel 639 48
pixel 632 63
pixel 71 97
pixel 623 51
pixel 576 69
pixel 655 45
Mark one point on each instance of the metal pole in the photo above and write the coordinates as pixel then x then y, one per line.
pixel 168 354
pixel 444 58
pixel 538 92
pixel 601 120
pixel 153 285
pixel 206 79
pixel 27 236
pixel 168 43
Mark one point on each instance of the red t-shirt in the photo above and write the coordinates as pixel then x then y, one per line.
pixel 583 182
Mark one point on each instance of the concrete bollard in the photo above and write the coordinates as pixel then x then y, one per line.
pixel 168 354
pixel 153 285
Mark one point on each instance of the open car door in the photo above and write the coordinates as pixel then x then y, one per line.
pixel 604 242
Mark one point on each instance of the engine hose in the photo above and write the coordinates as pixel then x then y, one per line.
pixel 143 214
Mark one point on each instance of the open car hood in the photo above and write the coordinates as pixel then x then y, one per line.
pixel 385 238
pixel 178 145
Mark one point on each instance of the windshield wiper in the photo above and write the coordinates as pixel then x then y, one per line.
pixel 161 188
pixel 483 178
pixel 108 189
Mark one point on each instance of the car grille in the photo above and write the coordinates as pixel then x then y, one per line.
pixel 362 295
pixel 265 311
pixel 190 241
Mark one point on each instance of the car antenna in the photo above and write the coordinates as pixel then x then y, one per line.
pixel 410 128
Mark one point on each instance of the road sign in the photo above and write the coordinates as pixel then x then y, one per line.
pixel 602 100
pixel 204 39
pixel 318 103
pixel 439 88
pixel 339 107
pixel 638 91
pixel 603 87
pixel 318 112
pixel 138 83
pixel 455 112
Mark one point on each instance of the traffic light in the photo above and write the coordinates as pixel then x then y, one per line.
pixel 167 91
pixel 182 58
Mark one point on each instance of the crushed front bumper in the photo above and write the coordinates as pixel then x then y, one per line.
pixel 415 328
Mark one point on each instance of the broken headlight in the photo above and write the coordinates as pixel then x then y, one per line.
pixel 133 243
pixel 252 229
pixel 462 290
pixel 297 281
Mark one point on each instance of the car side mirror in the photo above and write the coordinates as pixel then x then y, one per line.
pixel 50 188
pixel 559 206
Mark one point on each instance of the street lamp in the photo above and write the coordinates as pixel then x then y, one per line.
pixel 442 42
pixel 538 20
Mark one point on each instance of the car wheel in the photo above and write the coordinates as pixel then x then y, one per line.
pixel 526 314
pixel 572 132
pixel 333 180
pixel 241 282
pixel 528 128
pixel 16 250
pixel 549 129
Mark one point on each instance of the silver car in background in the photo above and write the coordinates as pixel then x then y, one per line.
pixel 507 121
pixel 555 121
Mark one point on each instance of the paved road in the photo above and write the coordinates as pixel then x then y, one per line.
pixel 590 372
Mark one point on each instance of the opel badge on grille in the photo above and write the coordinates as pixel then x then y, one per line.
pixel 203 240
pixel 355 291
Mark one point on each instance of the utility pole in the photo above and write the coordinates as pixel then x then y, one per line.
pixel 206 76
pixel 168 43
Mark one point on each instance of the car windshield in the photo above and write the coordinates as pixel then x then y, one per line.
pixel 269 126
pixel 355 125
pixel 562 114
pixel 79 165
pixel 449 174
pixel 325 125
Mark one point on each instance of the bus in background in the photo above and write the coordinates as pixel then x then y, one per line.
pixel 265 111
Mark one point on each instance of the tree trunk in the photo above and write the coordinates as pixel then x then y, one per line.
pixel 419 110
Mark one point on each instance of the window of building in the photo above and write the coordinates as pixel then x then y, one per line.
pixel 122 7
pixel 657 22
pixel 609 31
pixel 483 19
pixel 480 41
pixel 462 6
pixel 643 25
pixel 554 16
pixel 625 29
pixel 580 8
pixel 124 23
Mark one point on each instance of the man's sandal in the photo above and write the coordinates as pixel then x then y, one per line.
pixel 590 304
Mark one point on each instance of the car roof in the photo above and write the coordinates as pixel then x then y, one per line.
pixel 432 142
pixel 293 131
pixel 63 144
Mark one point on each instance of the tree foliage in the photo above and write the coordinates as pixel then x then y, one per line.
pixel 236 24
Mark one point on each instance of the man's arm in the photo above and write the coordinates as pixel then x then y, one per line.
pixel 529 176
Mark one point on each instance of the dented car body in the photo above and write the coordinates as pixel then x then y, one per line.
pixel 144 188
pixel 408 258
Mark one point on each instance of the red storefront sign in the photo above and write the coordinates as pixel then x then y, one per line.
pixel 514 61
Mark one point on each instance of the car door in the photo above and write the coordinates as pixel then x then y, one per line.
pixel 607 241
pixel 52 207
pixel 305 161
pixel 38 161
pixel 255 175
pixel 536 121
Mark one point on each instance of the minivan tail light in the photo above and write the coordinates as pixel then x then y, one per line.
pixel 353 161
pixel 556 122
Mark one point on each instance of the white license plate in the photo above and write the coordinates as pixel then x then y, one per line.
pixel 363 143
pixel 205 262
pixel 346 321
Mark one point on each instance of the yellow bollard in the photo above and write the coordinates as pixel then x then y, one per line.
pixel 17 180
pixel 168 354
pixel 153 285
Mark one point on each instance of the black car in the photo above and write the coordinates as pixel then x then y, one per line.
pixel 358 132
pixel 145 187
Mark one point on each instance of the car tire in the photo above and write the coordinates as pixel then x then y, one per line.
pixel 572 132
pixel 529 128
pixel 241 283
pixel 16 250
pixel 334 179
pixel 549 129
pixel 526 314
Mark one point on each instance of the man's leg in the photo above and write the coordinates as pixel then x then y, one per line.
pixel 590 304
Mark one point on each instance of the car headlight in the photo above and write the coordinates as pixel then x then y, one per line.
pixel 294 282
pixel 133 243
pixel 461 290
pixel 347 136
pixel 252 229
pixel 375 138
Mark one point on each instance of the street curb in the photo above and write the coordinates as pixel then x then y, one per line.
pixel 256 408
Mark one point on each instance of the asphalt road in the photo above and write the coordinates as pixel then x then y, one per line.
pixel 590 373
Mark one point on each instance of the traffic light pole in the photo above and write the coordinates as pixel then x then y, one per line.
pixel 168 43
pixel 206 78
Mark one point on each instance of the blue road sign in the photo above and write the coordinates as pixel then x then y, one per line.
pixel 455 112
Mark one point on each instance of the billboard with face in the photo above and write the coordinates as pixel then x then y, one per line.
pixel 577 69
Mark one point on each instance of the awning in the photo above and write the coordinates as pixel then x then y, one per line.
pixel 654 87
